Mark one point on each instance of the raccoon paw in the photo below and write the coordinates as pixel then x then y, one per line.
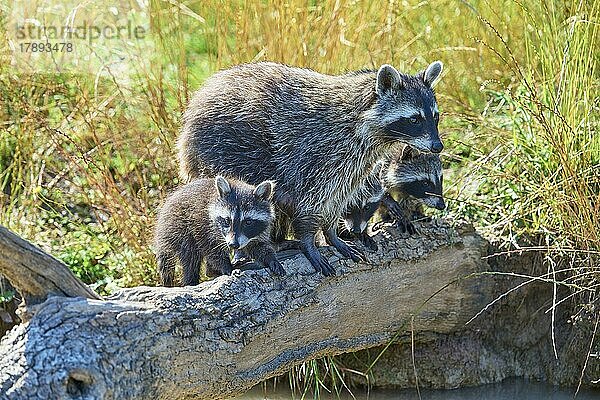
pixel 406 226
pixel 324 267
pixel 276 268
pixel 349 251
pixel 369 242
pixel 321 265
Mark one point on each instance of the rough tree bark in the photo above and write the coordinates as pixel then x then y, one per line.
pixel 220 338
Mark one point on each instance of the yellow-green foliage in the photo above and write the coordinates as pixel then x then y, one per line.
pixel 84 162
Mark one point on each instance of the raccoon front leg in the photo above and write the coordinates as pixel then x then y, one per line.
pixel 265 255
pixel 394 209
pixel 344 248
pixel 218 263
pixel 306 230
pixel 399 214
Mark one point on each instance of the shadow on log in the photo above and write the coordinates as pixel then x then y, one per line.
pixel 8 307
pixel 220 338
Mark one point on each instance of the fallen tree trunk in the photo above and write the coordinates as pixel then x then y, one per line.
pixel 35 274
pixel 220 338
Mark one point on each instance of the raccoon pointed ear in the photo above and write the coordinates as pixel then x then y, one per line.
pixel 388 78
pixel 264 191
pixel 223 187
pixel 432 73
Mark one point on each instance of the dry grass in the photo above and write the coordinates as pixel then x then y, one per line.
pixel 85 161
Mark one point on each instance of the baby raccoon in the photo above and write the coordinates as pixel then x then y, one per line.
pixel 411 180
pixel 408 181
pixel 207 218
pixel 358 215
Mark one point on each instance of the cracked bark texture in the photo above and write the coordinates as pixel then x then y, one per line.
pixel 218 339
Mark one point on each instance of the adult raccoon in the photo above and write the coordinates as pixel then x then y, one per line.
pixel 317 135
pixel 206 218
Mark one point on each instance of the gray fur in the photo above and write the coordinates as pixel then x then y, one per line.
pixel 188 229
pixel 317 135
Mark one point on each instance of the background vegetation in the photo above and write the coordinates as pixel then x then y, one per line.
pixel 86 159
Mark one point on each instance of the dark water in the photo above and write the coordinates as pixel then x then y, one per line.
pixel 513 389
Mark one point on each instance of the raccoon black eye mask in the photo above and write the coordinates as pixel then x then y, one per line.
pixel 411 126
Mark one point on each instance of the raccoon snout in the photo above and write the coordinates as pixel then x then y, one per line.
pixel 232 241
pixel 234 244
pixel 437 147
pixel 363 226
pixel 237 242
pixel 439 203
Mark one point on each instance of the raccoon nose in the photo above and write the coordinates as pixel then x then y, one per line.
pixel 234 245
pixel 356 230
pixel 437 147
pixel 440 204
pixel 238 256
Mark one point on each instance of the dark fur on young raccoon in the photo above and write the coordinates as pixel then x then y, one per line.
pixel 408 181
pixel 317 135
pixel 364 208
pixel 206 218
pixel 416 177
